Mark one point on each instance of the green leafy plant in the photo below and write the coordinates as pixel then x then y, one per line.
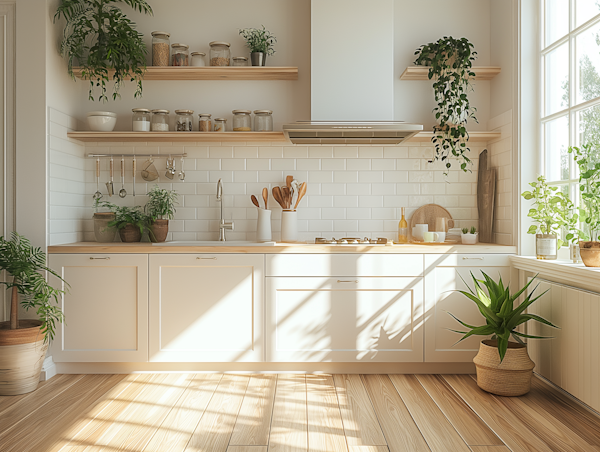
pixel 501 317
pixel 552 210
pixel 99 38
pixel 130 215
pixel 161 203
pixel 473 230
pixel 259 40
pixel 589 187
pixel 450 64
pixel 24 263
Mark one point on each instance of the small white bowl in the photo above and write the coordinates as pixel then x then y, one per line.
pixel 102 113
pixel 102 123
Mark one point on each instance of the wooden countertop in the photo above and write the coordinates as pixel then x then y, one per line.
pixel 280 248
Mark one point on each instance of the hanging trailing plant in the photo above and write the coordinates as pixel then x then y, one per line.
pixel 450 64
pixel 100 38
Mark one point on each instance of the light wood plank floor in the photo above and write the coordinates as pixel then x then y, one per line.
pixel 290 413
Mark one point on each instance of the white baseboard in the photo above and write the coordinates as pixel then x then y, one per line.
pixel 48 369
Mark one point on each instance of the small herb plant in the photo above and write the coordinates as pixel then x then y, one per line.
pixel 589 187
pixel 161 203
pixel 497 307
pixel 25 263
pixel 259 40
pixel 552 209
pixel 99 37
pixel 473 230
pixel 130 215
pixel 450 62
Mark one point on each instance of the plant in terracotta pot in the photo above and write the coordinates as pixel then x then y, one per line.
pixel 552 211
pixel 23 343
pixel 160 208
pixel 131 222
pixel 260 42
pixel 104 215
pixel 503 367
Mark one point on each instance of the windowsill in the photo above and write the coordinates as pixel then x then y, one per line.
pixel 563 271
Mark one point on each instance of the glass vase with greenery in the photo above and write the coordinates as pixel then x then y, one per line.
pixel 100 38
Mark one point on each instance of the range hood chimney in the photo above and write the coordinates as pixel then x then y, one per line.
pixel 352 76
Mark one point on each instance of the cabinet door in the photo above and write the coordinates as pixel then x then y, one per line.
pixel 206 308
pixel 105 307
pixel 444 275
pixel 345 319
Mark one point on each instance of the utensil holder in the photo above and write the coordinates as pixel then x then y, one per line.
pixel 289 226
pixel 263 225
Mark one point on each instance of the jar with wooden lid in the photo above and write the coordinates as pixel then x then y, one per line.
pixel 204 122
pixel 141 119
pixel 220 54
pixel 160 120
pixel 161 48
pixel 198 59
pixel 240 61
pixel 219 125
pixel 263 121
pixel 242 121
pixel 183 120
pixel 180 55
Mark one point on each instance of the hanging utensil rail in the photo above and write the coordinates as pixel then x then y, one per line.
pixel 136 155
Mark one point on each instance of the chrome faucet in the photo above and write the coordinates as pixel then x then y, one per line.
pixel 222 224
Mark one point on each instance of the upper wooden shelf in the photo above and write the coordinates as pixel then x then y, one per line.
pixel 176 137
pixel 216 73
pixel 423 137
pixel 420 72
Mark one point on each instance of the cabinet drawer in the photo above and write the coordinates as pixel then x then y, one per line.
pixel 345 265
pixel 467 260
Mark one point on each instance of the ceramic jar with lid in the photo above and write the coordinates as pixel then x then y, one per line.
pixel 183 120
pixel 160 120
pixel 180 55
pixel 242 121
pixel 240 61
pixel 220 124
pixel 198 59
pixel 141 119
pixel 204 122
pixel 161 48
pixel 263 121
pixel 220 53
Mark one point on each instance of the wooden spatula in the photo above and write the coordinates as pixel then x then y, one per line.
pixel 301 193
pixel 278 197
pixel 255 201
pixel 265 194
pixel 288 181
pixel 286 196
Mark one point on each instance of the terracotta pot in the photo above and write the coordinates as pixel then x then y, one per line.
pixel 130 233
pixel 22 353
pixel 590 253
pixel 510 378
pixel 159 230
pixel 102 232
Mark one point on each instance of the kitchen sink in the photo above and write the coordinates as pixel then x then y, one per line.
pixel 214 243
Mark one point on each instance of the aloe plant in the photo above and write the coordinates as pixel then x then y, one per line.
pixel 497 306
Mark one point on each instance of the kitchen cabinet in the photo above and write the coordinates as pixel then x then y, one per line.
pixel 444 275
pixel 206 308
pixel 105 307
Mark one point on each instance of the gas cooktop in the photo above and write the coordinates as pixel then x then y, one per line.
pixel 351 241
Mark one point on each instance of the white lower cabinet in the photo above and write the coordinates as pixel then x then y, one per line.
pixel 444 275
pixel 344 319
pixel 105 307
pixel 206 308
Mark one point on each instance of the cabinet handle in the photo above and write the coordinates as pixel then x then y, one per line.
pixel 340 281
pixel 206 258
pixel 472 258
pixel 99 258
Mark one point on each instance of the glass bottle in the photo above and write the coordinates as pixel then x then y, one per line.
pixel 220 53
pixel 204 122
pixel 198 59
pixel 240 61
pixel 160 120
pixel 403 229
pixel 263 121
pixel 242 121
pixel 184 120
pixel 141 120
pixel 180 55
pixel 160 48
pixel 546 246
pixel 220 125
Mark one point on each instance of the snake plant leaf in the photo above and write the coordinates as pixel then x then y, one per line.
pixel 529 336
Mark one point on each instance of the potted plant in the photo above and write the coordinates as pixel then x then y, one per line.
pixel 552 210
pixel 469 237
pixel 100 38
pixel 102 231
pixel 260 42
pixel 450 64
pixel 160 208
pixel 503 367
pixel 131 222
pixel 589 210
pixel 23 343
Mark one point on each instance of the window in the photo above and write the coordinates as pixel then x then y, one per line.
pixel 570 109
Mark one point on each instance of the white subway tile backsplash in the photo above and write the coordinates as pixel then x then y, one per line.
pixel 395 176
pixel 273 152
pixel 370 177
pixel 235 164
pixel 345 201
pixel 333 164
pixel 370 201
pixel 345 177
pixel 370 152
pixel 358 189
pixel 348 152
pixel 245 152
pixel 310 164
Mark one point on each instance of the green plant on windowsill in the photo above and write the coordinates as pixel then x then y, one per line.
pixel 589 188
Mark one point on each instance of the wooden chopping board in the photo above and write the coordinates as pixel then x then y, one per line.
pixel 486 191
pixel 427 214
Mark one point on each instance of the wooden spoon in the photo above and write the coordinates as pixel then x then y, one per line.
pixel 265 194
pixel 255 201
pixel 286 196
pixel 288 181
pixel 278 197
pixel 301 193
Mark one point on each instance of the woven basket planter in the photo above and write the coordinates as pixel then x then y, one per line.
pixel 510 378
pixel 159 230
pixel 130 233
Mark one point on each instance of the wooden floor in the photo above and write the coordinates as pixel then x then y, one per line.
pixel 285 413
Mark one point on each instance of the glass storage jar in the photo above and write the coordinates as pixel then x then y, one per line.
pixel 219 53
pixel 240 61
pixel 220 125
pixel 204 122
pixel 180 55
pixel 198 59
pixel 161 55
pixel 184 120
pixel 160 120
pixel 141 119
pixel 242 121
pixel 263 121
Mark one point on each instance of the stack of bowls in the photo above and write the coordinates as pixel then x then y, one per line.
pixel 101 121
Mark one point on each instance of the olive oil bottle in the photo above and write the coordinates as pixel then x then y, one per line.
pixel 403 229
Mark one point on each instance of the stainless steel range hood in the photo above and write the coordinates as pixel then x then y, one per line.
pixel 350 132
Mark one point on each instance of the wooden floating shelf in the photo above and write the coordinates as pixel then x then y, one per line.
pixel 421 72
pixel 176 137
pixel 215 73
pixel 423 137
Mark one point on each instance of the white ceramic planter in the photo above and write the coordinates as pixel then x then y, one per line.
pixel 469 239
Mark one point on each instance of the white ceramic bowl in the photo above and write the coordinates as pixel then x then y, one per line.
pixel 102 123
